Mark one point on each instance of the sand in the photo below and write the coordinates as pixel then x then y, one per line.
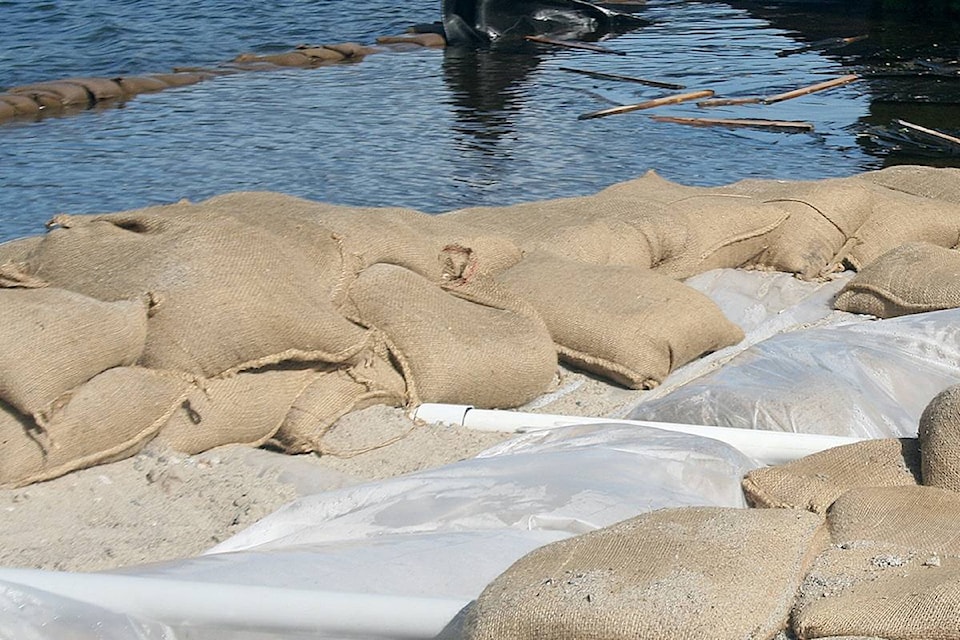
pixel 162 505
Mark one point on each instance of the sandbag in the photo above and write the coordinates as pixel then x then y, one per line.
pixel 419 39
pixel 54 340
pixel 18 250
pixel 898 218
pixel 99 89
pixel 921 517
pixel 351 49
pixel 939 435
pixel 180 79
pixel 814 482
pixel 106 419
pixel 912 278
pixel 939 183
pixel 670 574
pixel 226 296
pixel 243 409
pixel 22 105
pixel 132 85
pixel 321 54
pixel 452 349
pixel 66 93
pixel 880 590
pixel 627 324
pixel 331 395
pixel 822 215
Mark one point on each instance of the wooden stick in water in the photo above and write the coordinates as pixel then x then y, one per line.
pixel 659 102
pixel 575 45
pixel 616 76
pixel 820 86
pixel 939 136
pixel 722 102
pixel 782 125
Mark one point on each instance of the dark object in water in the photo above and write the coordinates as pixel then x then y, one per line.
pixel 479 22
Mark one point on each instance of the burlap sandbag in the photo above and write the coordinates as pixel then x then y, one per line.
pixel 925 518
pixel 54 340
pixel 451 349
pixel 132 85
pixel 243 409
pixel 627 324
pixel 823 214
pixel 939 183
pixel 898 218
pixel 814 482
pixel 21 105
pixel 679 238
pixel 913 278
pixel 66 93
pixel 939 434
pixel 333 394
pixel 15 251
pixel 688 573
pixel 99 89
pixel 106 419
pixel 875 589
pixel 364 236
pixel 226 296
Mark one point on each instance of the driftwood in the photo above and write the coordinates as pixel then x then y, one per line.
pixel 616 76
pixel 778 125
pixel 820 86
pixel 723 102
pixel 574 45
pixel 938 138
pixel 650 104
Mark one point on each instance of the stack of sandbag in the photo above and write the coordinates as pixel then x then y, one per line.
pixel 850 545
pixel 324 309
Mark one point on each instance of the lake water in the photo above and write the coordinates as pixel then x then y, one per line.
pixel 433 130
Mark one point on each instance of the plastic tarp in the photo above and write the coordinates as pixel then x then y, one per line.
pixel 443 533
pixel 808 369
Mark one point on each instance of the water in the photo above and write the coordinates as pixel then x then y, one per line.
pixel 432 130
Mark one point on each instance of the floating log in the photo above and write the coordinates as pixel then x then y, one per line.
pixel 780 125
pixel 659 102
pixel 820 86
pixel 932 135
pixel 616 76
pixel 723 102
pixel 575 45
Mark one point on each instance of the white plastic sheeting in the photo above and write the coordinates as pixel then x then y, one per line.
pixel 437 536
pixel 808 369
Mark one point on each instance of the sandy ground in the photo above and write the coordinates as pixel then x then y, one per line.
pixel 162 505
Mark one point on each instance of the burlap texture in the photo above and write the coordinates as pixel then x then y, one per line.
pixel 451 349
pixel 99 88
pixel 630 325
pixel 939 434
pixel 897 218
pixel 15 251
pixel 227 296
pixel 54 340
pixel 678 237
pixel 912 278
pixel 21 105
pixel 332 394
pixel 822 216
pixel 880 590
pixel 132 85
pixel 687 573
pixel 65 93
pixel 925 518
pixel 246 408
pixel 939 183
pixel 814 482
pixel 106 419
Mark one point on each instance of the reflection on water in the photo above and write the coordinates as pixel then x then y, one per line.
pixel 485 87
pixel 439 130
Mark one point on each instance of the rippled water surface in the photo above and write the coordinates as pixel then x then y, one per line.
pixel 429 129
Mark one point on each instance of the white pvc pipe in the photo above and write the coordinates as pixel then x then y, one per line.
pixel 767 447
pixel 234 606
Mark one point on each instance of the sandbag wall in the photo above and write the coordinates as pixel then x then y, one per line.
pixel 261 318
pixel 859 541
pixel 70 95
